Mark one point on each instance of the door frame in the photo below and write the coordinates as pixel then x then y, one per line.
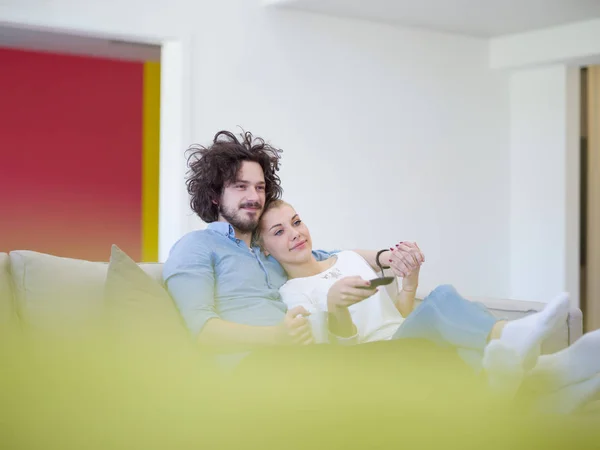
pixel 175 121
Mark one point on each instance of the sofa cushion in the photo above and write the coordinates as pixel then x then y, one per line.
pixel 7 309
pixel 153 270
pixel 57 294
pixel 138 308
pixel 61 295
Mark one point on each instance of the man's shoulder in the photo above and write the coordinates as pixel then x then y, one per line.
pixel 321 255
pixel 196 237
pixel 194 249
pixel 193 243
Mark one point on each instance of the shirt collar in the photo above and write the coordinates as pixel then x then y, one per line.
pixel 226 230
pixel 223 228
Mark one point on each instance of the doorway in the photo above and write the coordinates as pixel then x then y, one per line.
pixel 163 75
pixel 590 197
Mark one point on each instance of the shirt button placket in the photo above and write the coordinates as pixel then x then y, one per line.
pixel 256 255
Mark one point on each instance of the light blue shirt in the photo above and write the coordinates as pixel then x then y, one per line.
pixel 212 274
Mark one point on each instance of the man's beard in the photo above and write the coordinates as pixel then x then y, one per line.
pixel 237 219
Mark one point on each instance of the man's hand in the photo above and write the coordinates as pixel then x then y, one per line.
pixel 295 329
pixel 347 291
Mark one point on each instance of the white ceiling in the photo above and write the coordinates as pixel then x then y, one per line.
pixel 30 39
pixel 483 18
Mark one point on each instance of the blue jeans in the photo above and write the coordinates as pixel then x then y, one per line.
pixel 447 319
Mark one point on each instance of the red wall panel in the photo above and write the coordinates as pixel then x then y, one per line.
pixel 70 154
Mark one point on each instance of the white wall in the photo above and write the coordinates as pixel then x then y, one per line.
pixel 545 65
pixel 577 42
pixel 388 134
pixel 544 151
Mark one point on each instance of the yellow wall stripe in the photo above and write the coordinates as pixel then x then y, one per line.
pixel 150 162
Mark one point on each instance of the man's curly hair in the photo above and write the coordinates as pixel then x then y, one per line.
pixel 212 168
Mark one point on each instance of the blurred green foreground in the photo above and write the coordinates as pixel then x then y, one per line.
pixel 150 392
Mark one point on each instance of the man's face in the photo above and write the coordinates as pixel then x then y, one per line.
pixel 243 200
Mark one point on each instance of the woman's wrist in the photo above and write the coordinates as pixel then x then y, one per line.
pixel 341 326
pixel 383 259
pixel 340 320
pixel 334 308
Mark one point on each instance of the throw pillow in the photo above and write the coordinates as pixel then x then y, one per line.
pixel 139 310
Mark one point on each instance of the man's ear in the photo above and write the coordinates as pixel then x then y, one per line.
pixel 215 202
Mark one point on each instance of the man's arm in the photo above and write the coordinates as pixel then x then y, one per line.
pixel 370 257
pixel 190 279
pixel 231 336
pixel 238 337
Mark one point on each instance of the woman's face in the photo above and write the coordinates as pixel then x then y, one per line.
pixel 284 236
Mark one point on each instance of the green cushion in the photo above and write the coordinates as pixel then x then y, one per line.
pixel 139 310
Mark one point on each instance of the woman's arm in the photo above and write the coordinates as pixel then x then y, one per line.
pixel 405 301
pixel 342 294
pixel 405 261
pixel 412 257
pixel 340 322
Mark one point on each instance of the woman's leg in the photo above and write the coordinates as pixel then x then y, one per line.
pixel 519 346
pixel 448 319
pixel 569 398
pixel 571 365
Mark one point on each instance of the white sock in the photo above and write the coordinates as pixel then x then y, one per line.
pixel 571 365
pixel 526 335
pixel 503 367
pixel 569 398
pixel 506 359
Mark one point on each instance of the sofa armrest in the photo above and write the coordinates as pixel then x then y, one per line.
pixel 575 324
pixel 510 309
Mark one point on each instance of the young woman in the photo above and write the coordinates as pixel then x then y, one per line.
pixel 358 314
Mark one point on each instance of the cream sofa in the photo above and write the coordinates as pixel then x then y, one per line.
pixel 46 292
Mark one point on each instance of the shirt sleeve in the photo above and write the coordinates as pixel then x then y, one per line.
pixel 189 276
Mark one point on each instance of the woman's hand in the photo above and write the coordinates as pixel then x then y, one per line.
pixel 342 294
pixel 347 291
pixel 405 262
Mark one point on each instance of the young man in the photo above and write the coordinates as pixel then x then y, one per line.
pixel 226 289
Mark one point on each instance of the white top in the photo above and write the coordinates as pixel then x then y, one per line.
pixel 376 318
